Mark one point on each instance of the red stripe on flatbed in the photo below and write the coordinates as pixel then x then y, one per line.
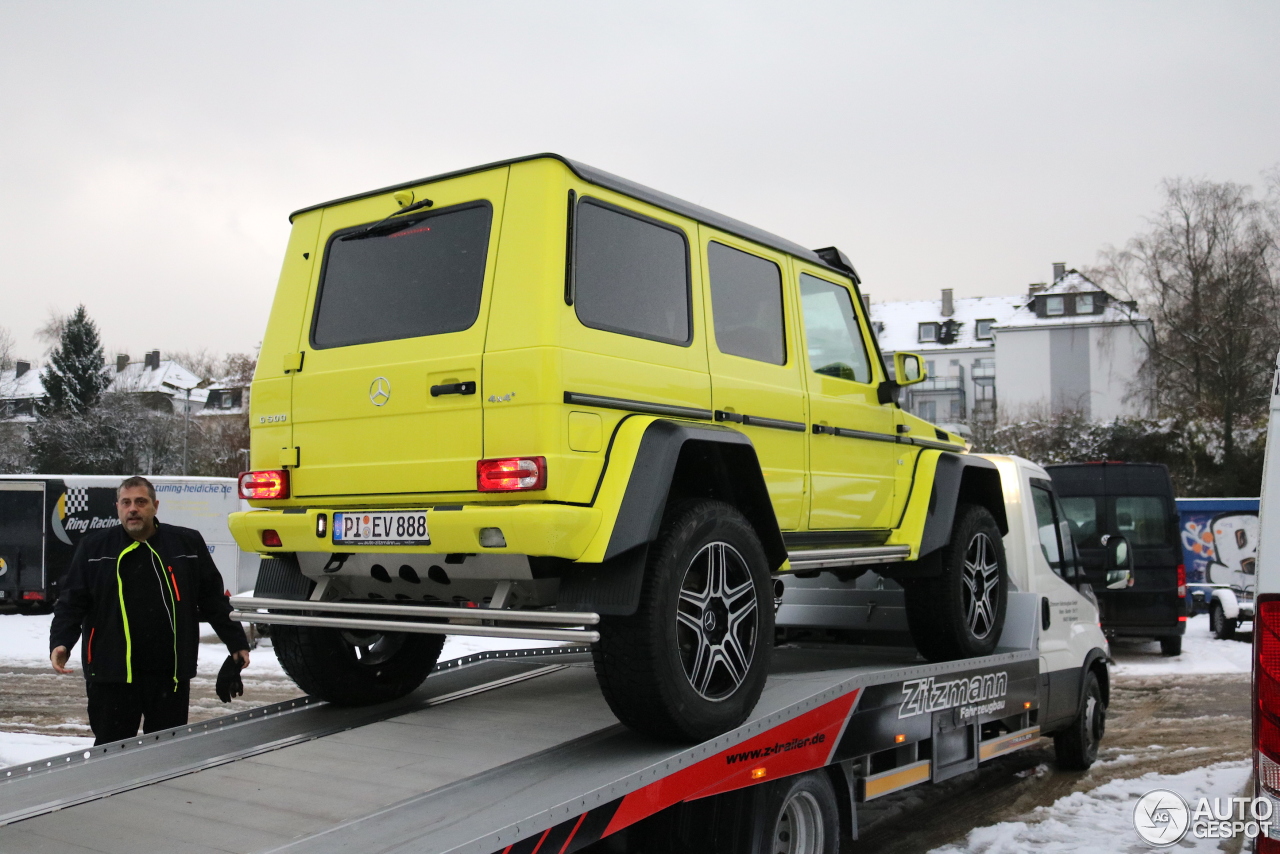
pixel 792 747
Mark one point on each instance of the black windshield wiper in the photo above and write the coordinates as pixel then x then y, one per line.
pixel 381 224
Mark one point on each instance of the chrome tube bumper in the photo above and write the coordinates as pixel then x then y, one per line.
pixel 424 619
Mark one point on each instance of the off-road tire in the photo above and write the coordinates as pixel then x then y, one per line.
pixel 1076 747
pixel 1171 645
pixel 324 663
pixel 938 613
pixel 641 660
pixel 1223 628
pixel 801 816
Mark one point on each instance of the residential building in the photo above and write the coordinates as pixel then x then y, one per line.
pixel 956 339
pixel 1072 346
pixel 162 384
pixel 1064 345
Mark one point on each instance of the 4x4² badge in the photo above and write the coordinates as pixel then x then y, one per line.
pixel 380 391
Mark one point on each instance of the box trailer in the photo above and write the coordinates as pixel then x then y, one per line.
pixel 44 517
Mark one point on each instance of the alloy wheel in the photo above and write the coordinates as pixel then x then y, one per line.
pixel 717 621
pixel 981 577
pixel 372 649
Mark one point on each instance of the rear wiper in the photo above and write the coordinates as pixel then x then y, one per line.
pixel 368 232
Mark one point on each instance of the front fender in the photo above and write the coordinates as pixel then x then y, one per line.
pixel 1227 599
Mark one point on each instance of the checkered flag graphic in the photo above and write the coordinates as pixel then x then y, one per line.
pixel 77 500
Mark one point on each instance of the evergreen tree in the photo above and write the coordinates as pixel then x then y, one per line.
pixel 75 377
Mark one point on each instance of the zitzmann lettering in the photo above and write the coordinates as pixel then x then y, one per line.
pixel 926 695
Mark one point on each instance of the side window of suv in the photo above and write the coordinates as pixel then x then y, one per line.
pixel 835 342
pixel 631 274
pixel 746 301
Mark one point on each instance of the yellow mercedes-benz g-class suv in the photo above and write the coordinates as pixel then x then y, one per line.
pixel 533 399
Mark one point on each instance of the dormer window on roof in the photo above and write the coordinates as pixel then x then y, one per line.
pixel 982 329
pixel 1054 306
pixel 1084 303
pixel 928 333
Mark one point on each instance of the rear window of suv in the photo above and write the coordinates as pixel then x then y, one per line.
pixel 403 279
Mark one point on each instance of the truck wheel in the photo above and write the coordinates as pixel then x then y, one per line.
pixel 1076 747
pixel 1170 646
pixel 1223 629
pixel 801 816
pixel 350 668
pixel 959 612
pixel 691 662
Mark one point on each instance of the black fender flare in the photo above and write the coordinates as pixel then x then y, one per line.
pixel 960 478
pixel 675 460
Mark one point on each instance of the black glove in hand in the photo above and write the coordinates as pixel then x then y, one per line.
pixel 229 684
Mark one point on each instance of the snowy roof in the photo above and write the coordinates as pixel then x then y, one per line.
pixel 1072 282
pixel 901 321
pixel 170 378
pixel 25 387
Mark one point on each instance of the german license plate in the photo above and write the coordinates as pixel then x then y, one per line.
pixel 381 528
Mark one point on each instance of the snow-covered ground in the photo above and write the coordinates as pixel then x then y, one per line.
pixel 1202 653
pixel 1100 821
pixel 24 640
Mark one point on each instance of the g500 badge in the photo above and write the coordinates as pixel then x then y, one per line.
pixel 272 419
pixel 926 695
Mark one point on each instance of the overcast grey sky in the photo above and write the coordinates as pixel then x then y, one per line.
pixel 151 153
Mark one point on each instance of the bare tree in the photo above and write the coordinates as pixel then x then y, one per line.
pixel 1205 274
pixel 7 347
pixel 51 331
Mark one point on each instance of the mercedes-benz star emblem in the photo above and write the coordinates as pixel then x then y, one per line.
pixel 380 391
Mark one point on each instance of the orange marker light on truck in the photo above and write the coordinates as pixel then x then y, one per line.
pixel 264 485
pixel 511 474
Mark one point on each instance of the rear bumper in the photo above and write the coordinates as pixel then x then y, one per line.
pixel 1130 631
pixel 541 530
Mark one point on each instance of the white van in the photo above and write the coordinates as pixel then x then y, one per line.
pixel 43 517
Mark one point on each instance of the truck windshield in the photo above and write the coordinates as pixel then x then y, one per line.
pixel 423 278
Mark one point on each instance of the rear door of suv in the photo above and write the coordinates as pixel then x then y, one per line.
pixel 387 398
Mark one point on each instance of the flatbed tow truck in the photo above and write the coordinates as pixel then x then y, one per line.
pixel 516 751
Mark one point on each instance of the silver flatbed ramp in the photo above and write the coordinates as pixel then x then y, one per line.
pixel 488 758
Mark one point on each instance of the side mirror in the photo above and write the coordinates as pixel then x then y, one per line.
pixel 1119 561
pixel 908 369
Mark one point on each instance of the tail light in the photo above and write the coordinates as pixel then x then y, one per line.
pixel 1266 706
pixel 513 473
pixel 271 539
pixel 32 596
pixel 1182 580
pixel 264 485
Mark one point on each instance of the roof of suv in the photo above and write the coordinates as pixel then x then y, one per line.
pixel 621 185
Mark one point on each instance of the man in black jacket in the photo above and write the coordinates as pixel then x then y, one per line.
pixel 136 594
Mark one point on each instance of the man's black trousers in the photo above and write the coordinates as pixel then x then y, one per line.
pixel 116 708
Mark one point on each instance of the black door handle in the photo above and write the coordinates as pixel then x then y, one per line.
pixel 468 387
pixel 1045 618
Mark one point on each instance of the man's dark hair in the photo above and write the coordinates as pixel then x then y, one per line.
pixel 136 480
